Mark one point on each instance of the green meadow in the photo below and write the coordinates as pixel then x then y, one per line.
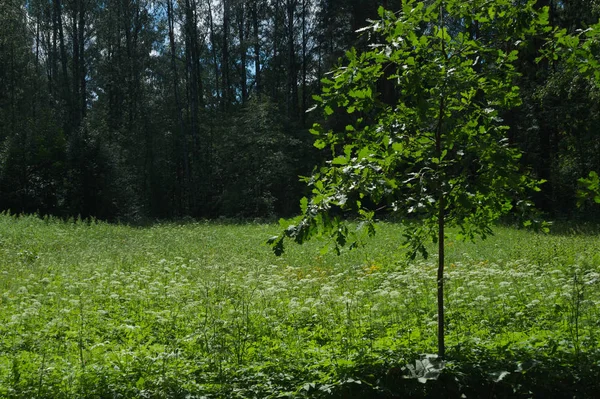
pixel 205 310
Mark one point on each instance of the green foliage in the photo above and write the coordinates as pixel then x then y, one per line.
pixel 257 159
pixel 97 183
pixel 432 147
pixel 32 169
pixel 590 188
pixel 173 112
pixel 90 310
pixel 560 126
pixel 439 149
pixel 32 144
pixel 579 52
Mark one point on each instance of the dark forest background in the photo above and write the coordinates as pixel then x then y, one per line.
pixel 134 109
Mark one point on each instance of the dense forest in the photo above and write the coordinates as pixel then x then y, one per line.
pixel 130 109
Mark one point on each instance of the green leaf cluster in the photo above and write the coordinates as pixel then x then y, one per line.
pixel 589 188
pixel 579 50
pixel 439 147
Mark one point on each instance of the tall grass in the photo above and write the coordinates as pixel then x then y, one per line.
pixel 92 310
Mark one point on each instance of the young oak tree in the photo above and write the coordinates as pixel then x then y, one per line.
pixel 434 151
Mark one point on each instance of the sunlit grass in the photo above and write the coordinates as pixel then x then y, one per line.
pixel 186 310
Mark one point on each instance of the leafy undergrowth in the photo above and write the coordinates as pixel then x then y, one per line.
pixel 203 310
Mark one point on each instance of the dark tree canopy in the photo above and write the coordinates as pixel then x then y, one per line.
pixel 131 109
